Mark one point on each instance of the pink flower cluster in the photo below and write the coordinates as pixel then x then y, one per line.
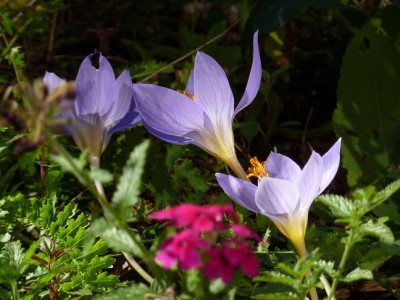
pixel 197 246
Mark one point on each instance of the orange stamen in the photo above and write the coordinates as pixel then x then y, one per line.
pixel 187 94
pixel 256 169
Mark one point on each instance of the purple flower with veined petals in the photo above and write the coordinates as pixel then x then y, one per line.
pixel 202 114
pixel 285 192
pixel 103 105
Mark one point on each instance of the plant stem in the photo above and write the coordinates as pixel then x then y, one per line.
pixel 138 268
pixel 302 251
pixel 342 264
pixel 236 167
pixel 15 290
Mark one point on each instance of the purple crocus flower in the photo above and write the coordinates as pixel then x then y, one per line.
pixel 202 114
pixel 285 191
pixel 103 105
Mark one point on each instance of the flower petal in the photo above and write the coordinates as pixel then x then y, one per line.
pixel 331 161
pixel 167 114
pixel 52 81
pixel 241 191
pixel 190 83
pixel 253 83
pixel 123 96
pixel 94 87
pixel 282 167
pixel 211 89
pixel 310 180
pixel 276 196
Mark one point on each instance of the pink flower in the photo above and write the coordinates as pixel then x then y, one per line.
pixel 197 245
pixel 204 218
pixel 232 255
pixel 184 248
pixel 245 232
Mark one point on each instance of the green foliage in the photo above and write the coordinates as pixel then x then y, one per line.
pixel 127 193
pixel 137 291
pixel 295 277
pixel 366 115
pixel 118 239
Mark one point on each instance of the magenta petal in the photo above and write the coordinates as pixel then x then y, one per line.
pixel 250 266
pixel 241 191
pixel 331 161
pixel 282 167
pixel 165 259
pixel 167 113
pixel 253 83
pixel 211 89
pixel 94 87
pixel 276 196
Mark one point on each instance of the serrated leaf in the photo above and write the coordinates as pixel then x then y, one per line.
pixel 377 229
pixel 272 276
pixel 137 291
pixel 129 184
pixel 73 225
pixel 384 194
pixel 119 240
pixel 62 217
pixel 358 274
pixel 341 207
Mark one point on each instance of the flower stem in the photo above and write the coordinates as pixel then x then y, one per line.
pixel 302 251
pixel 342 264
pixel 236 167
pixel 138 268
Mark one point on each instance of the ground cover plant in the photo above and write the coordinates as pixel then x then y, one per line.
pixel 199 149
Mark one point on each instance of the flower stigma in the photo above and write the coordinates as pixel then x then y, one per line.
pixel 186 93
pixel 256 169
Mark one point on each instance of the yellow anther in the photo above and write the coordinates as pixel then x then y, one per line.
pixel 187 94
pixel 256 169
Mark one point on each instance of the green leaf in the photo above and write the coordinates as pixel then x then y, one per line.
pixel 341 207
pixel 374 258
pixel 358 274
pixel 272 14
pixel 385 194
pixel 377 229
pixel 118 239
pixel 137 291
pixel 367 112
pixel 101 175
pixel 129 184
pixel 273 276
pixel 276 296
pixel 75 166
pixel 62 217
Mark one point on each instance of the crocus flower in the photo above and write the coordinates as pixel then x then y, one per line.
pixel 103 105
pixel 285 192
pixel 202 114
